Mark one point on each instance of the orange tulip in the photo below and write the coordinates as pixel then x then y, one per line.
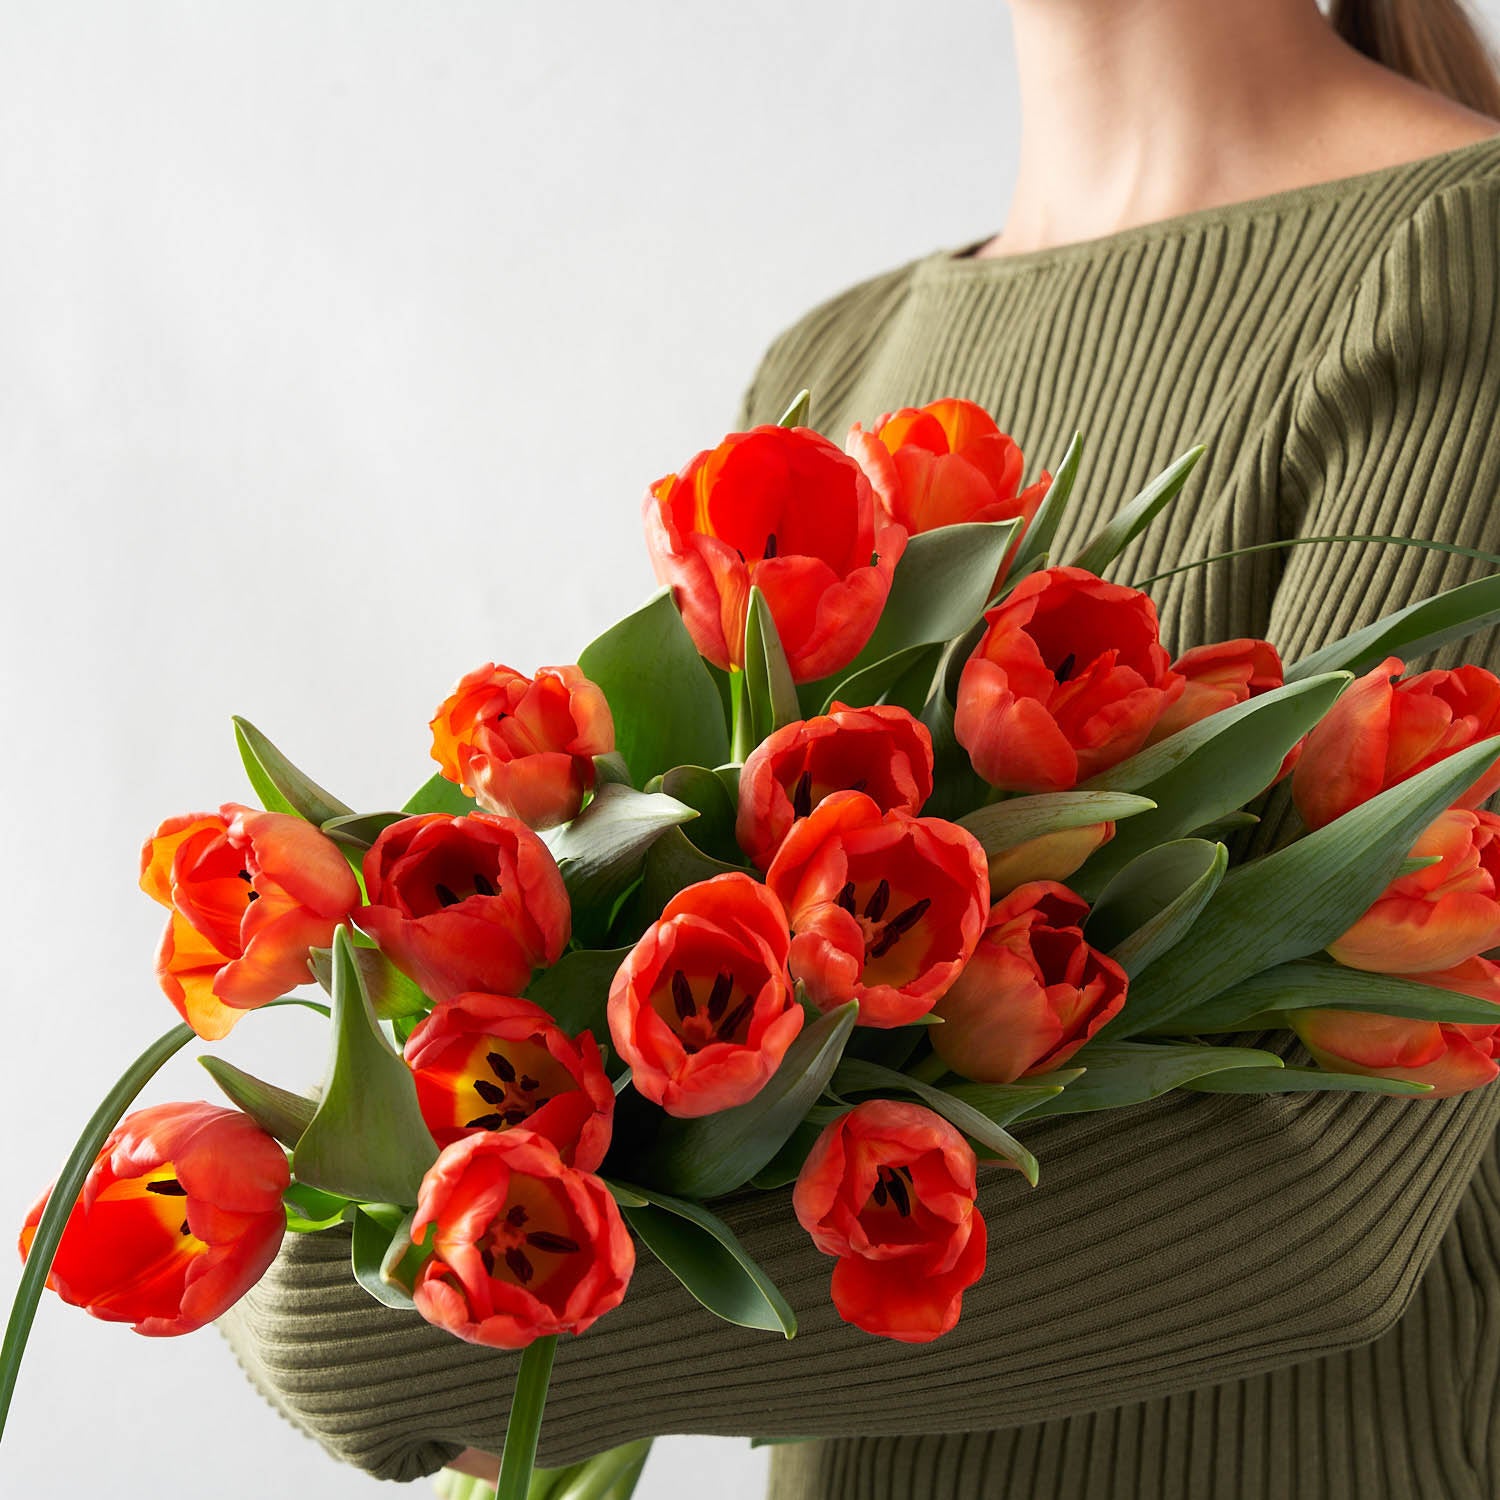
pixel 945 463
pixel 462 904
pixel 1453 1059
pixel 1033 993
pixel 1439 915
pixel 525 1245
pixel 179 1217
pixel 1384 729
pixel 493 1062
pixel 882 751
pixel 885 908
pixel 784 510
pixel 702 1008
pixel 524 747
pixel 250 893
pixel 889 1189
pixel 1218 677
pixel 1069 679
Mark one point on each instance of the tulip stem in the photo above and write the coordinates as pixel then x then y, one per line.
pixel 518 1457
pixel 739 718
pixel 64 1195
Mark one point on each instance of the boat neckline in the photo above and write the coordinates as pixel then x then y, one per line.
pixel 961 261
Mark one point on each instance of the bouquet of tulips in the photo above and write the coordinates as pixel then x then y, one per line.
pixel 874 835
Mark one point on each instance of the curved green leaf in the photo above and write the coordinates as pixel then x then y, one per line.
pixel 701 1251
pixel 360 830
pixel 279 1111
pixel 1136 515
pixel 439 795
pixel 712 798
pixel 1117 1074
pixel 797 409
pixel 391 993
pixel 713 1155
pixel 379 1230
pixel 1037 541
pixel 770 693
pixel 666 707
pixel 575 990
pixel 276 780
pixel 1302 1081
pixel 1018 820
pixel 1154 901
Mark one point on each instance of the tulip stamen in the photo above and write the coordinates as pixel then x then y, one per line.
pixel 491 1093
pixel 845 897
pixel 897 927
pixel 521 1268
pixel 246 876
pixel 529 1085
pixel 682 995
pixel 516 1215
pixel 770 549
pixel 500 1065
pixel 880 898
pixel 1065 667
pixel 483 885
pixel 184 1228
pixel 168 1187
pixel 718 997
pixel 731 1022
pixel 553 1244
pixel 892 1186
pixel 802 796
pixel 485 1122
pixel 445 896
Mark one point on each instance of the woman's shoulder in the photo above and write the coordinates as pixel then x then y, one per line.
pixel 823 349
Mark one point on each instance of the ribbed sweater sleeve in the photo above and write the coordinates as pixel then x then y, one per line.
pixel 1194 1240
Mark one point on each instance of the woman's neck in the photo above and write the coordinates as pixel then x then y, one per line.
pixel 1139 110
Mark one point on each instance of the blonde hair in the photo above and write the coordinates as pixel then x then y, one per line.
pixel 1433 41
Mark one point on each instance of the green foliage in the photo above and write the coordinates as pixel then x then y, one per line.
pixel 768 691
pixel 575 990
pixel 1136 515
pixel 1117 1074
pixel 1017 820
pixel 279 784
pixel 1037 542
pixel 439 795
pixel 1154 901
pixel 284 1114
pixel 391 993
pixel 1302 1081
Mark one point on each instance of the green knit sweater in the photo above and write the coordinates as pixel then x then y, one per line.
pixel 1289 1296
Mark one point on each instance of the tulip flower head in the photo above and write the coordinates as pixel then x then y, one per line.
pixel 1452 1059
pixel 179 1217
pixel 702 1008
pixel 495 1062
pixel 1218 677
pixel 1069 679
pixel 524 747
pixel 882 751
pixel 463 904
pixel 525 1245
pixel 250 893
pixel 783 510
pixel 1385 728
pixel 889 1189
pixel 885 908
pixel 1033 993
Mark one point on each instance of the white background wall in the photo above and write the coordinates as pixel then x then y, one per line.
pixel 338 342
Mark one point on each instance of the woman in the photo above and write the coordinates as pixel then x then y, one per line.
pixel 1229 226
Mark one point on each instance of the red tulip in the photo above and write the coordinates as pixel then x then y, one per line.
pixel 885 908
pixel 784 510
pixel 493 1062
pixel 1439 915
pixel 881 751
pixel 1033 993
pixel 1384 729
pixel 524 747
pixel 945 463
pixel 702 1008
pixel 889 1189
pixel 1069 679
pixel 526 1246
pixel 1453 1059
pixel 461 904
pixel 179 1217
pixel 1218 677
pixel 249 892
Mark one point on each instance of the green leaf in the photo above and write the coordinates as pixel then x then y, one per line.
pixel 611 768
pixel 856 1076
pixel 1208 770
pixel 1135 516
pixel 708 794
pixel 368 1140
pixel 701 1251
pixel 714 1154
pixel 606 1476
pixel 375 1236
pixel 528 1399
pixel 277 780
pixel 310 1210
pixel 1410 632
pixel 439 795
pixel 1040 535
pixel 872 683
pixel 1001 1103
pixel 360 830
pixel 64 1195
pixel 673 863
pixel 1298 900
pixel 391 993
pixel 575 990
pixel 666 708
pixel 1309 984
pixel 786 1166
pixel 940 588
pixel 1302 1081
pixel 278 1111
pixel 1117 1074
pixel 796 413
pixel 770 691
pixel 601 852
pixel 1018 820
pixel 1153 902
